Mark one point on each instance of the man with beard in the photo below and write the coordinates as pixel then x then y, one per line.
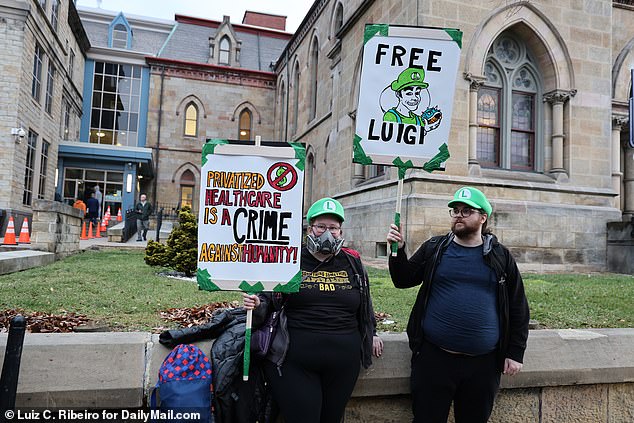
pixel 469 323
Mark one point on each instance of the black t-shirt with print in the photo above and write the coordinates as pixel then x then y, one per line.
pixel 328 298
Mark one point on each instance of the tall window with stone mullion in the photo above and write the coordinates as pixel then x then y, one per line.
pixel 50 81
pixel 36 84
pixel 507 111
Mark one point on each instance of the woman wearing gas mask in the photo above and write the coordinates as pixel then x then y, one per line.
pixel 326 330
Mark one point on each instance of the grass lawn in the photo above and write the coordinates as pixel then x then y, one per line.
pixel 117 287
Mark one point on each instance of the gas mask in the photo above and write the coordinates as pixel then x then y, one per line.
pixel 324 243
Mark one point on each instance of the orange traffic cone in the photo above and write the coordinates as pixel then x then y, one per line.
pixel 104 224
pixel 24 233
pixel 108 213
pixel 90 231
pixel 83 231
pixel 98 230
pixel 9 235
pixel 119 218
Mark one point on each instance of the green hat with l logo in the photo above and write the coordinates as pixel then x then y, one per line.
pixel 325 206
pixel 410 77
pixel 472 197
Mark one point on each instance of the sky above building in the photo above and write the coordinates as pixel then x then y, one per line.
pixel 294 10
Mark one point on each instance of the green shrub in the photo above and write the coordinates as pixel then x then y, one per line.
pixel 181 249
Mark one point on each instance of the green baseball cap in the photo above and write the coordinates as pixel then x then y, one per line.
pixel 472 197
pixel 410 77
pixel 325 206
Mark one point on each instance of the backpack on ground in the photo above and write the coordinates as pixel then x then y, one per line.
pixel 184 386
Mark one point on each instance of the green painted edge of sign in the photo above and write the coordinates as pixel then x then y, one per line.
pixel 455 35
pixel 372 30
pixel 210 146
pixel 290 286
pixel 359 155
pixel 204 281
pixel 402 166
pixel 434 163
pixel 251 289
pixel 300 154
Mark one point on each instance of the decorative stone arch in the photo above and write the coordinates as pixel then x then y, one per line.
pixel 541 37
pixel 293 87
pixel 309 175
pixel 621 84
pixel 176 176
pixel 554 65
pixel 246 105
pixel 314 38
pixel 335 23
pixel 191 99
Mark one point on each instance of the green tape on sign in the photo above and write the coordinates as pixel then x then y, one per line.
pixel 397 222
pixel 359 154
pixel 251 289
pixel 300 154
pixel 204 281
pixel 434 163
pixel 455 35
pixel 290 286
pixel 210 147
pixel 374 30
pixel 402 166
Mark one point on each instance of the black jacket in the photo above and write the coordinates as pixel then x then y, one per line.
pixel 143 211
pixel 234 400
pixel 512 303
pixel 366 319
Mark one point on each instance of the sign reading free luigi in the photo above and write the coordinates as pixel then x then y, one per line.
pixel 406 95
pixel 250 219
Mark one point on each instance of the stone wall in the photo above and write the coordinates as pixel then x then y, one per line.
pixel 56 228
pixel 569 376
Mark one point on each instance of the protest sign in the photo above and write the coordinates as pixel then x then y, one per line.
pixel 250 219
pixel 406 95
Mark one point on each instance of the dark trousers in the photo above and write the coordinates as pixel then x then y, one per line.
pixel 440 377
pixel 317 378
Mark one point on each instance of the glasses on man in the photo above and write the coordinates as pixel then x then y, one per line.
pixel 321 228
pixel 464 212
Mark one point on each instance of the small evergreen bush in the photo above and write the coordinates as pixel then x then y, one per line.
pixel 181 249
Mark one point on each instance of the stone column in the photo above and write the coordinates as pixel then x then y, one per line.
pixel 557 99
pixel 618 122
pixel 475 82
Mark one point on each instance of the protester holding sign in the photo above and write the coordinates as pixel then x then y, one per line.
pixel 470 319
pixel 326 329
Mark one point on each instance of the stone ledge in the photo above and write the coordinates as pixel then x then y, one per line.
pixel 118 369
pixel 15 261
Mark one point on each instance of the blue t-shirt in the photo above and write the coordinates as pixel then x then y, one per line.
pixel 461 313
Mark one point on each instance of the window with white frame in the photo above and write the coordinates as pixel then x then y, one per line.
pixel 120 36
pixel 50 81
pixel 191 120
pixel 224 53
pixel 29 168
pixel 116 99
pixel 314 62
pixel 507 109
pixel 36 84
pixel 71 64
pixel 54 14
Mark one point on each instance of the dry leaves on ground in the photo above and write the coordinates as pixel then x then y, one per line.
pixel 192 316
pixel 38 322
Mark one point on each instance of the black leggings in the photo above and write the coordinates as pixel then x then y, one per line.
pixel 440 377
pixel 318 376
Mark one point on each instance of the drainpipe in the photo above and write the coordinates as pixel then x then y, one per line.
pixel 158 139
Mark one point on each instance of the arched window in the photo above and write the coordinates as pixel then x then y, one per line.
pixel 338 23
pixel 310 166
pixel 187 184
pixel 244 131
pixel 295 99
pixel 191 120
pixel 120 36
pixel 283 111
pixel 507 108
pixel 314 60
pixel 224 53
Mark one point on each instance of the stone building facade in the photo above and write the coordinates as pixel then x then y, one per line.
pixel 212 79
pixel 43 48
pixel 565 65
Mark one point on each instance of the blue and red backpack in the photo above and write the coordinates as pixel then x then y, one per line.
pixel 184 385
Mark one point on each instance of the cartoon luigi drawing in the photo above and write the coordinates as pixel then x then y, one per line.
pixel 408 88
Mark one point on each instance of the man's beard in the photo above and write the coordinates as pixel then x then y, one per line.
pixel 465 230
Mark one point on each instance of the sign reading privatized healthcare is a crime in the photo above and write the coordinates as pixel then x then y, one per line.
pixel 406 95
pixel 250 219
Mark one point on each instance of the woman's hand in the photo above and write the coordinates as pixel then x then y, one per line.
pixel 250 302
pixel 394 235
pixel 377 346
